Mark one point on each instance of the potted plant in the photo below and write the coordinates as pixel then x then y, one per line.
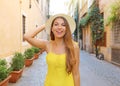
pixel 28 54
pixel 17 66
pixel 36 52
pixel 41 51
pixel 4 73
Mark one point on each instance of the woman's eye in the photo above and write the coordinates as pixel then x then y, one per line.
pixel 63 25
pixel 55 24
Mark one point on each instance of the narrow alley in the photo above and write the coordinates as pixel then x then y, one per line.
pixel 93 72
pixel 93 24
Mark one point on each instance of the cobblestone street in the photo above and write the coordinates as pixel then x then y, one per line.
pixel 93 72
pixel 96 72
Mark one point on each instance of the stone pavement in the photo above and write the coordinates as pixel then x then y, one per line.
pixel 33 75
pixel 93 72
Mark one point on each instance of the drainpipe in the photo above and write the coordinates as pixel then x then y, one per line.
pixel 77 25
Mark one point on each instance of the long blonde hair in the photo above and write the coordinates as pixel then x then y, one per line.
pixel 69 47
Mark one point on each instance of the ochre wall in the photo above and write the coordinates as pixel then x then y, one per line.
pixel 11 29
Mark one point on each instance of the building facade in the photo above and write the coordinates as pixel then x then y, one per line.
pixel 18 17
pixel 84 6
pixel 111 49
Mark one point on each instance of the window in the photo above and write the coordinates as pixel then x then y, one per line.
pixel 115 56
pixel 116 32
pixel 37 1
pixel 102 41
pixel 42 5
pixel 23 24
pixel 30 4
pixel 116 40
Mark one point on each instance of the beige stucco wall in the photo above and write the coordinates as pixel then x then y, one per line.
pixel 87 40
pixel 10 25
pixel 107 50
pixel 11 30
pixel 84 8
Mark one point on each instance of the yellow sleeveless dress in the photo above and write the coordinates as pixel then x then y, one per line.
pixel 56 74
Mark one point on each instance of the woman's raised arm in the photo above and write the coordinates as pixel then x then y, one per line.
pixel 30 38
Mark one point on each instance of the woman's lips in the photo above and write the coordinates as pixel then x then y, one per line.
pixel 59 32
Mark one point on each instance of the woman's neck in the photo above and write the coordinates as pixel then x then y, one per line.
pixel 59 42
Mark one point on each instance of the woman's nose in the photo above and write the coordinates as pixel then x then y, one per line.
pixel 59 26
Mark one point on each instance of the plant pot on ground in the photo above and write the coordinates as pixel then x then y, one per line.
pixel 4 73
pixel 17 66
pixel 41 51
pixel 28 54
pixel 36 52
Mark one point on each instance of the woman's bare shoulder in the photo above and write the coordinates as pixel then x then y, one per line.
pixel 76 48
pixel 75 44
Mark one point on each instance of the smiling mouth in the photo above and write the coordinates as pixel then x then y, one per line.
pixel 59 32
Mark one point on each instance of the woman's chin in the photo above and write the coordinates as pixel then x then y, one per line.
pixel 59 36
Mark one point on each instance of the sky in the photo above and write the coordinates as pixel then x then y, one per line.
pixel 58 6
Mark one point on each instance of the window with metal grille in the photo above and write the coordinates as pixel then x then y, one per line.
pixel 116 32
pixel 116 42
pixel 116 56
pixel 23 24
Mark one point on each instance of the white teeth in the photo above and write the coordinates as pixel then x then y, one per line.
pixel 59 32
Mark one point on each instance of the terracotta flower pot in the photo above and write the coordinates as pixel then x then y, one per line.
pixel 36 56
pixel 28 62
pixel 41 51
pixel 5 81
pixel 15 75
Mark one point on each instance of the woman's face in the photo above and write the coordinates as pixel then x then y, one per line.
pixel 59 28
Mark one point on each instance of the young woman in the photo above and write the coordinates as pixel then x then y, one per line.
pixel 62 52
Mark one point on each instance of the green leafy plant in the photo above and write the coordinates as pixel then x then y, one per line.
pixel 29 53
pixel 4 71
pixel 17 62
pixel 97 26
pixel 3 62
pixel 85 20
pixel 114 13
pixel 35 49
